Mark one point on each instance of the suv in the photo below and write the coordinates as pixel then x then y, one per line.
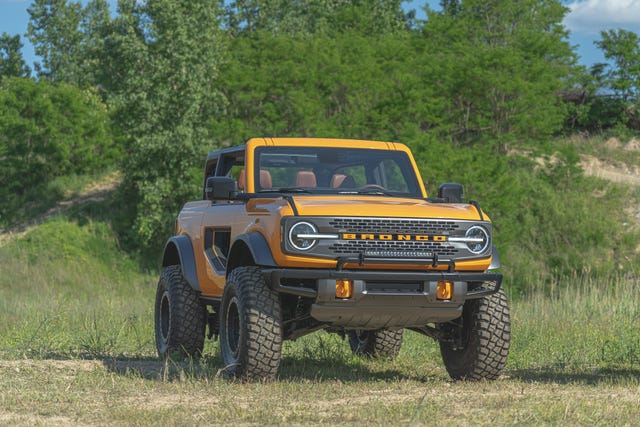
pixel 296 235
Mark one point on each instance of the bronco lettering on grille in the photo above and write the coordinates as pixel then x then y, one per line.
pixel 393 237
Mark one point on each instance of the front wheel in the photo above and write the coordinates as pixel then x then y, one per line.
pixel 379 344
pixel 250 326
pixel 480 346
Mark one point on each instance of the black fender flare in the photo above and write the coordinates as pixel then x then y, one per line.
pixel 495 258
pixel 178 251
pixel 250 249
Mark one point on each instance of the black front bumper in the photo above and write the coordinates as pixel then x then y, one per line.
pixel 382 299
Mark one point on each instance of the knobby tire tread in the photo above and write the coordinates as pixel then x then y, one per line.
pixel 260 352
pixel 485 353
pixel 188 316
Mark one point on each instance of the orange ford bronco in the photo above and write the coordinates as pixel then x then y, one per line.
pixel 295 235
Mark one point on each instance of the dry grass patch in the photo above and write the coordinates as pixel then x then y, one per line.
pixel 92 393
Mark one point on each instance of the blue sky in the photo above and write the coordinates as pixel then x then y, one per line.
pixel 585 21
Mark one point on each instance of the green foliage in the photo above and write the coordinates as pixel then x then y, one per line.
pixel 623 76
pixel 608 94
pixel 314 17
pixel 48 131
pixel 489 68
pixel 163 69
pixel 54 32
pixel 11 61
pixel 349 85
pixel 598 114
pixel 498 66
pixel 619 80
pixel 549 220
pixel 71 40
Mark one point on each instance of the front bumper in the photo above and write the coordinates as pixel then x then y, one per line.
pixel 382 299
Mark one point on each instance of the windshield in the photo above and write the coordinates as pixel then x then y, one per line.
pixel 335 170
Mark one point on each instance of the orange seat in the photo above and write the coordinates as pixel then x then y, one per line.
pixel 306 179
pixel 242 180
pixel 337 179
pixel 265 179
pixel 341 180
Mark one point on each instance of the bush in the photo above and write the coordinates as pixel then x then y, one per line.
pixel 549 219
pixel 47 131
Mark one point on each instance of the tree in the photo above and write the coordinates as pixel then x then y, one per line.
pixel 54 31
pixel 623 75
pixel 499 66
pixel 96 27
pixel 346 85
pixel 70 40
pixel 163 67
pixel 309 17
pixel 11 61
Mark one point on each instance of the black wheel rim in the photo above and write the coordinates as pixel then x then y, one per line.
pixel 460 330
pixel 362 337
pixel 233 327
pixel 359 340
pixel 165 317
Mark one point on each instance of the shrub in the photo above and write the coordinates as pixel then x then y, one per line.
pixel 47 131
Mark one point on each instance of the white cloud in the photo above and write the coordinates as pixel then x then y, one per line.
pixel 593 16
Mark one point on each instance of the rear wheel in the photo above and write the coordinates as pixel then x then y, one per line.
pixel 381 343
pixel 180 317
pixel 481 345
pixel 250 326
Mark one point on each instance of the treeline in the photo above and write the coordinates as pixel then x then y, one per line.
pixel 154 86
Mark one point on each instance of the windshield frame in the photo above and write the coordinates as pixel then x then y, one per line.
pixel 371 159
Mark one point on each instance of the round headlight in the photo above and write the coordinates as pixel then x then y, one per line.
pixel 298 236
pixel 479 239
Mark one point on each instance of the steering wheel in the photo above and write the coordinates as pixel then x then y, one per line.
pixel 372 186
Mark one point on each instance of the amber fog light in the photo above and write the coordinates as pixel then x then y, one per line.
pixel 445 290
pixel 344 288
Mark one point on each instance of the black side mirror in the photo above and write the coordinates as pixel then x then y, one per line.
pixel 220 188
pixel 451 192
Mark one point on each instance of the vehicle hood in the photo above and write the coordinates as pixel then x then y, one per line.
pixel 378 206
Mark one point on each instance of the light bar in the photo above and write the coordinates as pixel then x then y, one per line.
pixel 398 254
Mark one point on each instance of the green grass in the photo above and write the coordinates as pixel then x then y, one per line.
pixel 65 289
pixel 76 347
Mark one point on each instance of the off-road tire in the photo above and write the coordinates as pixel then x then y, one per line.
pixel 180 317
pixel 486 334
pixel 379 344
pixel 250 327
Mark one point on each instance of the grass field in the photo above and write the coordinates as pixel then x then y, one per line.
pixel 76 347
pixel 332 391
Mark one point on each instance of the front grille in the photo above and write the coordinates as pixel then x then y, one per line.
pixel 357 246
pixel 400 238
pixel 393 226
